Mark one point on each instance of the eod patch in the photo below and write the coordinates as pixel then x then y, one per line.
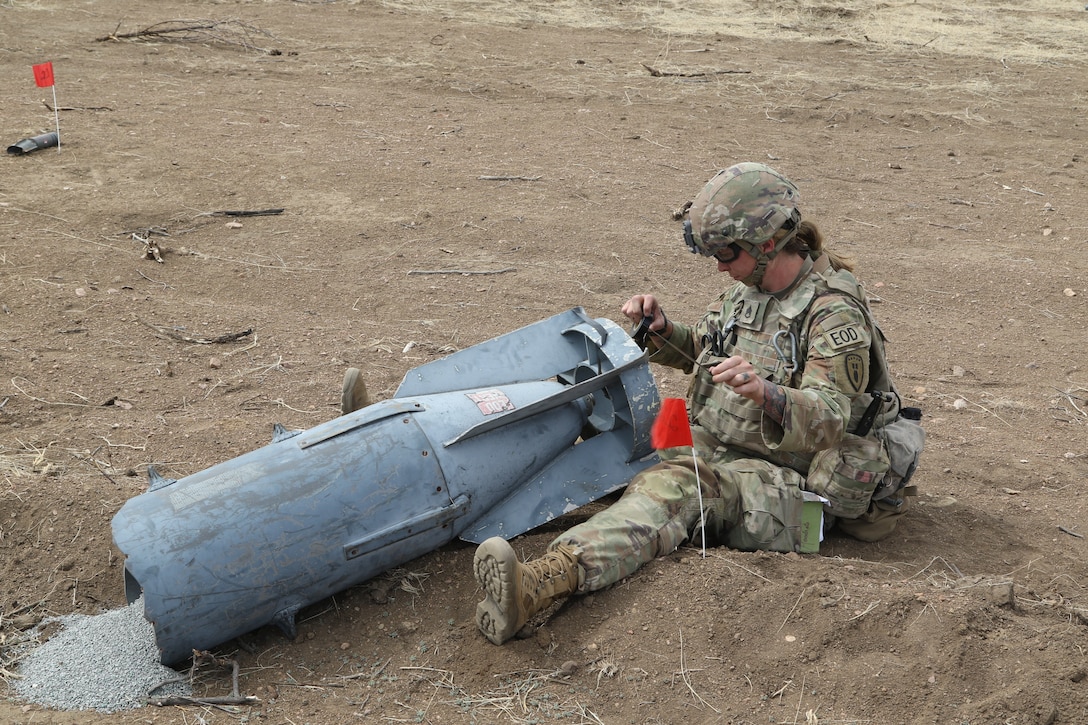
pixel 845 337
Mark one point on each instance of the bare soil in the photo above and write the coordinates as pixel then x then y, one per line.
pixel 534 151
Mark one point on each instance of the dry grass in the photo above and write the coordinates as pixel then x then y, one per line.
pixel 522 697
pixel 29 462
pixel 15 642
pixel 1034 31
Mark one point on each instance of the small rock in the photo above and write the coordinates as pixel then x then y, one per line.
pixel 215 363
pixel 960 404
pixel 1003 594
pixel 1069 292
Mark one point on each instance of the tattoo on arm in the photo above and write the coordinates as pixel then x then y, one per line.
pixel 774 402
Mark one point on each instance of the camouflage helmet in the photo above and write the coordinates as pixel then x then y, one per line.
pixel 744 205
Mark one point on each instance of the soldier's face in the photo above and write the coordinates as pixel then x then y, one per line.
pixel 740 266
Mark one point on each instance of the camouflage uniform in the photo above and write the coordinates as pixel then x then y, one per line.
pixel 818 341
pixel 823 357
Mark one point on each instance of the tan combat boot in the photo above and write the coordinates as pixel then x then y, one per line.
pixel 354 395
pixel 514 592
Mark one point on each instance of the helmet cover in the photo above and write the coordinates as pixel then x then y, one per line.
pixel 745 205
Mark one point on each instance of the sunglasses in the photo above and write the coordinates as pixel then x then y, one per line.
pixel 725 256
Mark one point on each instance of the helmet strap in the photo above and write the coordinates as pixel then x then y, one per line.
pixel 764 258
pixel 756 277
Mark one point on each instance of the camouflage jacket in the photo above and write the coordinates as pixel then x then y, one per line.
pixel 817 340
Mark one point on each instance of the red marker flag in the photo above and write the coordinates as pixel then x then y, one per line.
pixel 671 429
pixel 43 74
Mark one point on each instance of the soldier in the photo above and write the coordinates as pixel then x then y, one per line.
pixel 790 393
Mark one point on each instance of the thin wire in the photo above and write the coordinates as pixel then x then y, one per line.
pixel 56 115
pixel 699 490
pixel 694 453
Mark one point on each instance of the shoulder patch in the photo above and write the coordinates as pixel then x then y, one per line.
pixel 856 371
pixel 845 337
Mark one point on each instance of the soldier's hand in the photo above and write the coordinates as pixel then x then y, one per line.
pixel 641 306
pixel 738 373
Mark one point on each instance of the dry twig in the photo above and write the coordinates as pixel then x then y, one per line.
pixel 859 615
pixel 1068 394
pixel 228 337
pixel 662 73
pixel 790 613
pixel 200 657
pixel 462 271
pixel 221 32
pixel 48 402
pixel 255 212
pixel 76 108
pixel 687 680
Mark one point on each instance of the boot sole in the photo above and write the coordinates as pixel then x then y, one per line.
pixel 495 566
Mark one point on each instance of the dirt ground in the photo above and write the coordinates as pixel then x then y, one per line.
pixel 534 151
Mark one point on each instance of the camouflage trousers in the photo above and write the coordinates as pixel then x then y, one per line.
pixel 748 504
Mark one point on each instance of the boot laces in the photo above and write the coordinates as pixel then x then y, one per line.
pixel 558 563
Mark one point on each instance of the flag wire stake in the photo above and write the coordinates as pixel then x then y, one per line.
pixel 56 115
pixel 699 490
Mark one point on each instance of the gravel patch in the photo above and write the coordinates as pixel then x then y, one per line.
pixel 105 662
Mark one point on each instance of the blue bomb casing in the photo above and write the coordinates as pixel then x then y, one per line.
pixel 493 440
